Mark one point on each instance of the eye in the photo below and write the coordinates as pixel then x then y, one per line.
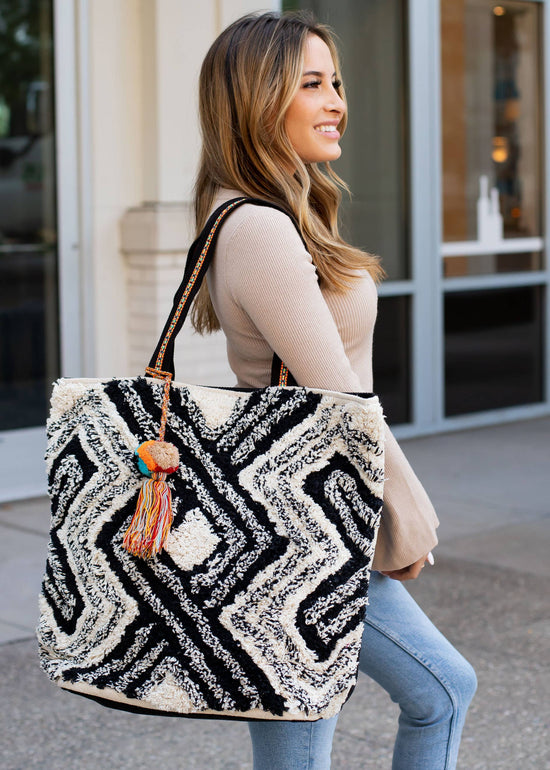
pixel 312 84
pixel 337 84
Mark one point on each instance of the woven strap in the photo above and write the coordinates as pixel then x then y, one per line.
pixel 199 258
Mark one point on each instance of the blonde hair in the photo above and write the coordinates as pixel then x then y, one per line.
pixel 248 79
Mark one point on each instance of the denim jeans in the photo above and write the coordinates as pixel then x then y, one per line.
pixel 422 672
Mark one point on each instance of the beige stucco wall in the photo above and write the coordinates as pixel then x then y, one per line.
pixel 116 107
pixel 144 59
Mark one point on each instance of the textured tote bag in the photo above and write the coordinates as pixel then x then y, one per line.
pixel 251 604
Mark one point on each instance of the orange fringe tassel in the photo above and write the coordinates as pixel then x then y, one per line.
pixel 152 520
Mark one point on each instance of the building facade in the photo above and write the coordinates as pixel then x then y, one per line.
pixel 446 154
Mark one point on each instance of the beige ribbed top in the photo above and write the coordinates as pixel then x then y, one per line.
pixel 266 295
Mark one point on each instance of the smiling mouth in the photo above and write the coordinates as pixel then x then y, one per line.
pixel 332 130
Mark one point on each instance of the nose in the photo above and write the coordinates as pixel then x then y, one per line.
pixel 335 103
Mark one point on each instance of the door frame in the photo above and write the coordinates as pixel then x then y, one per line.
pixel 73 165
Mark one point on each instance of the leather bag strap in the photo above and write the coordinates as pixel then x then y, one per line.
pixel 161 365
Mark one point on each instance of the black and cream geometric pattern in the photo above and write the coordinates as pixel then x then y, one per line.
pixel 254 608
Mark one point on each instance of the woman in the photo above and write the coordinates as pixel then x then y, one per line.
pixel 272 107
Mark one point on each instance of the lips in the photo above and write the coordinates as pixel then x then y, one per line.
pixel 328 129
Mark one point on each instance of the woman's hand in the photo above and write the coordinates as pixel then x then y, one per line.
pixel 412 571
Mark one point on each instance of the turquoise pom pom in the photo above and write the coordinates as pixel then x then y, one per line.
pixel 141 465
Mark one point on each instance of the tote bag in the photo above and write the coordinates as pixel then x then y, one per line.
pixel 252 605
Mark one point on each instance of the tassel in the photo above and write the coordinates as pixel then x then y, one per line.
pixel 151 522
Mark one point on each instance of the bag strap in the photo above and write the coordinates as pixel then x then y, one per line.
pixel 161 365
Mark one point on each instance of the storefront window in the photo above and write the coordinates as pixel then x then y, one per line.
pixel 372 40
pixel 29 346
pixel 493 349
pixel 491 119
pixel 391 354
pixel 372 43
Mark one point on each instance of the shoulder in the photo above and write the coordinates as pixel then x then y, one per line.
pixel 263 226
pixel 262 242
pixel 260 251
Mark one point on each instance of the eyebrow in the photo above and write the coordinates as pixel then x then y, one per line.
pixel 319 74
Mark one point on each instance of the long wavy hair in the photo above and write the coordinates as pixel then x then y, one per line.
pixel 248 79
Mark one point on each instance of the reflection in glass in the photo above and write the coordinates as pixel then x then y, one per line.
pixel 493 349
pixel 491 97
pixel 372 42
pixel 485 264
pixel 391 358
pixel 28 265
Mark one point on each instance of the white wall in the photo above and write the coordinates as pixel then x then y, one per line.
pixel 175 37
pixel 144 60
pixel 117 170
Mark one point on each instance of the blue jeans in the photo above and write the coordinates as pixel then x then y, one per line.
pixel 422 672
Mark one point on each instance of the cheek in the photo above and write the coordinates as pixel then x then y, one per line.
pixel 298 121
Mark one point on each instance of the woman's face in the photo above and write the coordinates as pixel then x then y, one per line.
pixel 313 116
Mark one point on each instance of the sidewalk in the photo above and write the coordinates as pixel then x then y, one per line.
pixel 488 592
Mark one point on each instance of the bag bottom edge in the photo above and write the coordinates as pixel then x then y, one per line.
pixel 114 700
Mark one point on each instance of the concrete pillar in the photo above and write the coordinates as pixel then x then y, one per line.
pixel 156 235
pixel 175 38
pixel 115 147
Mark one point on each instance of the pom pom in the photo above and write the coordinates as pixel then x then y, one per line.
pixel 157 457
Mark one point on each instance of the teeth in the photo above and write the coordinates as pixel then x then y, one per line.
pixel 325 128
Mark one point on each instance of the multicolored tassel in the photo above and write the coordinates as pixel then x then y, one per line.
pixel 151 522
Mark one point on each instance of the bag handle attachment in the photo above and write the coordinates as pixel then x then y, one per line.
pixel 167 377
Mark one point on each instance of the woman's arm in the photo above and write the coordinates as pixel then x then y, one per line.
pixel 270 275
pixel 408 526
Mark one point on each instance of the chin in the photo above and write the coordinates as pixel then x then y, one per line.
pixel 325 157
pixel 332 153
pixel 331 157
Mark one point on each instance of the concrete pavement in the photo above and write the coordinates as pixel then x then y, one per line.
pixel 488 593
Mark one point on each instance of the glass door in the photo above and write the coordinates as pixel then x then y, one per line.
pixel 29 317
pixel 372 40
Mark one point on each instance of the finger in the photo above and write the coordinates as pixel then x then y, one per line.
pixel 394 574
pixel 402 574
pixel 414 571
